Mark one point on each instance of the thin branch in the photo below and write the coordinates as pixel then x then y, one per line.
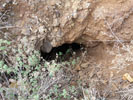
pixel 113 32
pixel 3 15
pixel 49 85
pixel 7 27
pixel 3 98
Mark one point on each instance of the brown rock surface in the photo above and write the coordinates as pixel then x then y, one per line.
pixel 66 21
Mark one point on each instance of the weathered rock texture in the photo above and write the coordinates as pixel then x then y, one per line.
pixel 66 21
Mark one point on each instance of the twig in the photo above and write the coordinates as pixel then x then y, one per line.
pixel 7 27
pixel 113 32
pixel 6 79
pixel 3 15
pixel 3 98
pixel 115 35
pixel 49 85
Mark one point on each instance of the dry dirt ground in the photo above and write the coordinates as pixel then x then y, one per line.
pixel 102 70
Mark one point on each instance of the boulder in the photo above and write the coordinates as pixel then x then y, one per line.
pixel 67 21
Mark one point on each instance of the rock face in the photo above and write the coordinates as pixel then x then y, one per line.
pixel 67 21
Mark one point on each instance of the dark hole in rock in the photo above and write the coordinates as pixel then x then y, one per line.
pixel 63 52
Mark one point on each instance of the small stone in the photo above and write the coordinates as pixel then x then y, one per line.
pixel 43 69
pixel 36 74
pixel 41 29
pixel 74 14
pixel 46 47
pixel 32 38
pixel 84 65
pixel 78 68
pixel 12 80
pixel 87 5
pixel 56 22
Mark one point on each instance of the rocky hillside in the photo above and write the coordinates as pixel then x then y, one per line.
pixel 104 28
pixel 67 21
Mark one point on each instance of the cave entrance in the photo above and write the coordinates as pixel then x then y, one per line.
pixel 63 52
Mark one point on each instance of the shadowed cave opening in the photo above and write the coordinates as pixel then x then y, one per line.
pixel 63 52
